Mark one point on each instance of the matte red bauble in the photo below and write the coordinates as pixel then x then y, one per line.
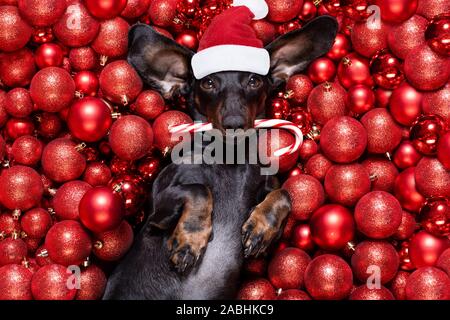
pixel 317 166
pixel 89 119
pixel 327 101
pixel 346 184
pixel 164 140
pixel 428 283
pixel 101 209
pixel 360 99
pixel 407 227
pixel 92 284
pixel 425 249
pixel 301 237
pixel 20 188
pixel 86 83
pixel 407 36
pixel 68 243
pixel 61 161
pixel 287 268
pixel 438 34
pixel 97 174
pixel 271 142
pixel 41 13
pixel 105 9
pixel 432 179
pixel 50 283
pixel 162 12
pixel 17 68
pixel 112 245
pixel 18 127
pixel 367 40
pixel 396 11
pixel 49 55
pixel 365 293
pixel 12 251
pixel 149 104
pixel 67 198
pixel 299 87
pixel 283 10
pixel 405 104
pixel 14 31
pixel 386 70
pixel 435 217
pixel 36 222
pixel 112 38
pixel 321 70
pixel 328 277
pixel 382 173
pixel 354 69
pixel 293 294
pixel 18 103
pixel 258 289
pixel 306 194
pixel 405 191
pixel 443 150
pixel 15 281
pixel 341 47
pixel 83 58
pixel 120 83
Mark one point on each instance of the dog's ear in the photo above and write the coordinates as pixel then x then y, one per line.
pixel 292 52
pixel 161 62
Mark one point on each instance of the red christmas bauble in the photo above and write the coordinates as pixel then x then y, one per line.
pixel 382 172
pixel 162 12
pixel 189 39
pixel 306 195
pixel 18 127
pixel 398 285
pixel 42 13
pixel 367 40
pixel 49 55
pixel 131 189
pixel 436 102
pixel 443 150
pixel 61 161
pixel 255 267
pixel 435 217
pixel 18 103
pixel 15 281
pixel 444 261
pixel 327 101
pixel 163 138
pixel 135 8
pixel 283 10
pixel 405 191
pixel 343 139
pixel 83 58
pixel 148 168
pixel 92 284
pixel 301 237
pixel 3 113
pixel 68 243
pixel 293 294
pixel 50 283
pixel 405 104
pixel 97 174
pixel 258 289
pixel 341 47
pixel 426 132
pixel 14 31
pixel 265 31
pixel 299 86
pixel 302 119
pixel 112 38
pixel 396 11
pixel 354 69
pixel 426 69
pixel 428 283
pixel 346 184
pixel 12 251
pixel 20 188
pixel 112 245
pixel 271 142
pixel 332 226
pixel 360 99
pixel 432 179
pixel 8 224
pixel 105 9
pixel 36 222
pixel 288 229
pixel 17 68
pixel 86 83
pixel 120 83
pixel 407 227
pixel 279 108
pixel 386 69
pixel 308 149
pixel 432 8
pixel 149 104
pixel 286 269
pixel 425 249
pixel 89 119
pixel 50 125
pixel 328 277
pixel 321 70
pixel 406 155
pixel 365 293
pixel 67 198
pixel 317 166
pixel 407 36
pixel 383 133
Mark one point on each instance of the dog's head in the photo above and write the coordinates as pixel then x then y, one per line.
pixel 231 99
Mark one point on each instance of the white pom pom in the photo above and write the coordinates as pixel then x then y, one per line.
pixel 258 7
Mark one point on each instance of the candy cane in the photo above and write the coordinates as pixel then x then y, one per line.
pixel 259 124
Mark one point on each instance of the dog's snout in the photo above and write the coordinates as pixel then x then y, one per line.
pixel 233 122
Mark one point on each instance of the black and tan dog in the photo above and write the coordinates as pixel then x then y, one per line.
pixel 206 218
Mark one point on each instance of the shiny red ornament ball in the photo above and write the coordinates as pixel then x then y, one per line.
pixel 435 217
pixel 306 195
pixel 332 226
pixel 432 179
pixel 105 9
pixel 112 38
pixel 83 58
pixel 365 293
pixel 112 245
pixel 50 283
pixel 149 104
pixel 67 198
pixel 443 150
pixel 18 103
pixel 286 269
pixel 382 173
pixel 438 34
pixel 383 133
pixel 428 283
pixel 15 281
pixel 12 251
pixel 317 166
pixel 346 184
pixel 343 139
pixel 328 277
pixel 354 69
pixel 405 104
pixel 321 70
pixel 36 222
pixel 41 13
pixel 283 10
pixel 360 99
pixel 162 12
pixel 301 237
pixel 302 119
pixel 407 227
pixel 97 174
pixel 18 127
pixel 426 132
pixel 61 161
pixel 407 36
pixel 14 31
pixel 131 189
pixel 367 40
pixel 189 39
pixel 86 83
pixel 386 69
pixel 49 55
pixel 89 119
pixel 258 289
pixel 341 47
pixel 20 188
pixel 293 294
pixel 425 249
pixel 406 192
pixel 92 284
pixel 396 11
pixel 327 101
pixel 406 155
pixel 163 138
pixel 279 109
pixel 17 68
pixel 299 87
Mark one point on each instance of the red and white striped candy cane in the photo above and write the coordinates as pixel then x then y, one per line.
pixel 259 124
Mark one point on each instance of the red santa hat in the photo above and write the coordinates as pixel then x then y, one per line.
pixel 230 43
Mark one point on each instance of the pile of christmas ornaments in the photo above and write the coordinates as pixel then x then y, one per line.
pixel 82 141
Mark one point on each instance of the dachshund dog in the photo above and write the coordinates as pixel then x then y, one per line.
pixel 207 217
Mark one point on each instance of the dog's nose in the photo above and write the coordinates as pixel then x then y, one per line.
pixel 233 122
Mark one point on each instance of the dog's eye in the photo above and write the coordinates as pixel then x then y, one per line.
pixel 254 82
pixel 207 84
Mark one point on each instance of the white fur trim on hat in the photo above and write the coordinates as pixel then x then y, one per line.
pixel 258 7
pixel 230 58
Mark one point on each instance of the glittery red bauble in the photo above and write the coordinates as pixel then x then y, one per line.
pixel 300 86
pixel 36 222
pixel 428 283
pixel 258 289
pixel 49 55
pixel 132 191
pixel 92 284
pixel 265 31
pixel 293 294
pixel 271 142
pixel 112 245
pixel 17 68
pixel 288 228
pixel 432 179
pixel 50 283
pixel 61 161
pixel 443 150
pixel 8 224
pixel 398 285
pixel 15 281
pixel 406 155
pixel 112 38
pixel 68 243
pixel 50 125
pixel 425 249
pixel 308 149
pixel 14 31
pixel 86 83
pixel 444 261
pixel 332 226
pixel 26 150
pixel 436 102
pixel 328 277
pixel 321 70
pixel 382 173
pixel 367 40
pixel 383 133
pixel 378 215
pixel 168 119
pixel 354 69
pixel 301 237
pixel 97 174
pixel 432 8
pixel 52 89
pixel 396 11
pixel 255 266
pixel 67 199
pixel 12 251
pixel 162 12
pixel 341 47
pixel 405 104
pixel 426 132
pixel 407 227
pixel 435 217
pixel 149 104
pixel 386 69
pixel 18 103
pixel 360 99
pixel 119 82
pixel 135 8
pixel 3 113
pixel 286 269
pixel 365 293
pixel 405 191
pixel 379 254
pixel 407 36
pixel 105 9
pixel 426 69
pixel 327 101
pixel 343 139
pixel 306 194
pixel 317 166
pixel 42 13
pixel 131 137
pixel 283 10
pixel 346 184
pixel 84 58
pixel 20 188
